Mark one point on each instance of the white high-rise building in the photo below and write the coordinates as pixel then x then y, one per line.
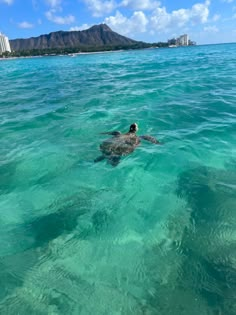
pixel 183 40
pixel 4 44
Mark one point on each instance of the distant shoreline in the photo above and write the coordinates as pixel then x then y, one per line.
pixel 65 55
pixel 103 51
pixel 73 54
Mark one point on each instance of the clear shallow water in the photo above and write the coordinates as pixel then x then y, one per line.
pixel 154 235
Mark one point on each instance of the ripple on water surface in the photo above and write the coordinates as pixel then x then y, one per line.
pixel 154 235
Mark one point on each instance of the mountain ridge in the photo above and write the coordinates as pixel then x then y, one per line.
pixel 97 35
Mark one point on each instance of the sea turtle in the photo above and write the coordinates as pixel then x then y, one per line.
pixel 121 144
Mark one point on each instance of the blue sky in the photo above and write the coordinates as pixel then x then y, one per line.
pixel 148 20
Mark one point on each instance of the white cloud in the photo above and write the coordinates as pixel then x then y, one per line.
pixel 7 1
pixel 200 12
pixel 135 24
pixel 50 15
pixel 140 4
pixel 161 20
pixel 100 8
pixel 211 29
pixel 80 28
pixel 54 3
pixel 216 17
pixel 25 25
pixel 228 1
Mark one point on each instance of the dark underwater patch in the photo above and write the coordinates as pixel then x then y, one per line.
pixel 30 241
pixel 100 220
pixel 62 220
pixel 206 191
pixel 7 173
pixel 196 273
pixel 208 245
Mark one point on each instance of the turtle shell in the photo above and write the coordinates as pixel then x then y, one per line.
pixel 120 145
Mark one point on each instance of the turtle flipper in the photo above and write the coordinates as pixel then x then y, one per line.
pixel 150 139
pixel 114 160
pixel 112 133
pixel 99 158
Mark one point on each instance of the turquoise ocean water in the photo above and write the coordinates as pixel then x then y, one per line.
pixel 154 235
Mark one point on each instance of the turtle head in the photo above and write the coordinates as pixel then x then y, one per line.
pixel 133 128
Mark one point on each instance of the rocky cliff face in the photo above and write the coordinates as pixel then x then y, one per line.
pixel 97 35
